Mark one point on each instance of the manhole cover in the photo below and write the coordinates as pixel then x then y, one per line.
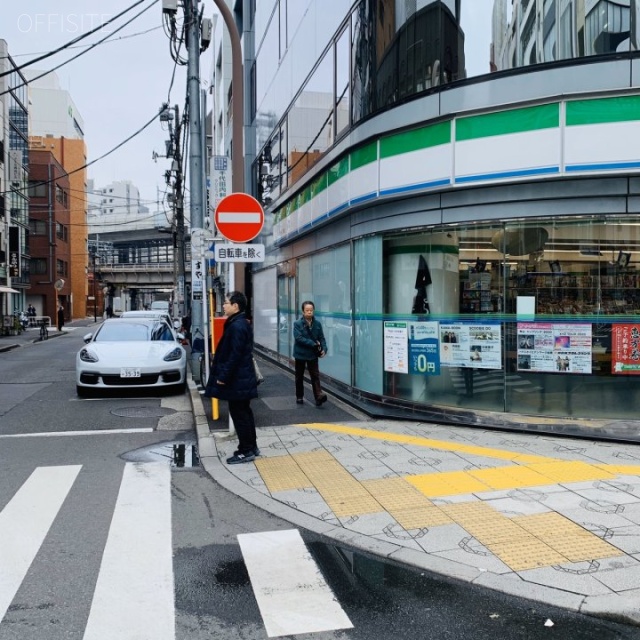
pixel 142 412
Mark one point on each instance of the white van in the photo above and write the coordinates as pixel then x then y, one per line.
pixel 160 305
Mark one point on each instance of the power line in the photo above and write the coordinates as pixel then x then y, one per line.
pixel 95 44
pixel 88 164
pixel 86 46
pixel 71 42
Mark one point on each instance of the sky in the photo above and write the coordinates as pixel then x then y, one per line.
pixel 119 85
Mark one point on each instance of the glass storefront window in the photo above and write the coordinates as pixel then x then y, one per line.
pixel 527 317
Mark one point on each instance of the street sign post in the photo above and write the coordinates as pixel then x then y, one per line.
pixel 239 217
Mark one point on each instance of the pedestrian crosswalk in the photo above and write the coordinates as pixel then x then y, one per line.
pixel 133 593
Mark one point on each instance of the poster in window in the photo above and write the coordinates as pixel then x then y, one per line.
pixel 396 347
pixel 424 355
pixel 554 347
pixel 478 346
pixel 625 349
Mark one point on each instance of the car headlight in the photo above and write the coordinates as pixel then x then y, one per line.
pixel 174 354
pixel 88 356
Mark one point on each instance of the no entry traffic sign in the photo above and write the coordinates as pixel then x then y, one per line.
pixel 239 217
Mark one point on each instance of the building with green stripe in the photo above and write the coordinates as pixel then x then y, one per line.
pixel 471 244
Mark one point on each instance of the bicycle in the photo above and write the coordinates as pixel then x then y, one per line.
pixel 44 334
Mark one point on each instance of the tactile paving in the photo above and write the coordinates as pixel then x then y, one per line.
pixel 570 471
pixel 452 483
pixel 406 504
pixel 282 474
pixel 339 489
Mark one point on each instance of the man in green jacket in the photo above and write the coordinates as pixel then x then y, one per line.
pixel 309 345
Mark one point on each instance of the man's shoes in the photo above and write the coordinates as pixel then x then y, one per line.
pixel 321 400
pixel 240 458
pixel 256 452
pixel 299 400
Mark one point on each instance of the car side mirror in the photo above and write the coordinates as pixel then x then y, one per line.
pixel 87 338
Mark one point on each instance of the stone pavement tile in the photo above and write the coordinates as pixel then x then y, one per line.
pixel 362 472
pixel 511 506
pixel 564 500
pixel 623 579
pixel 397 535
pixel 463 497
pixel 370 524
pixel 445 538
pixel 513 585
pixel 594 520
pixel 471 557
pixel 631 512
pixel 612 497
pixel 299 498
pixel 614 607
pixel 570 580
pixel 626 538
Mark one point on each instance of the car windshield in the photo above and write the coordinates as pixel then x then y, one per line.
pixel 122 331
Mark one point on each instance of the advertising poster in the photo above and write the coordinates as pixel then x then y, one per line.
pixel 554 348
pixel 424 355
pixel 478 346
pixel 625 349
pixel 396 347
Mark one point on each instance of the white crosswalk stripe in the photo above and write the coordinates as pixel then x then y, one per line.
pixel 24 523
pixel 134 595
pixel 292 595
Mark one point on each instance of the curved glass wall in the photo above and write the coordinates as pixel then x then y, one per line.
pixel 529 318
pixel 351 63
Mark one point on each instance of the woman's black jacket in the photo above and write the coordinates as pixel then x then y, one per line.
pixel 233 362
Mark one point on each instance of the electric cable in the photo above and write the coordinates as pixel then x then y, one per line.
pixel 71 42
pixel 95 44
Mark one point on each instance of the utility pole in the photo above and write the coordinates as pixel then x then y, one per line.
pixel 193 22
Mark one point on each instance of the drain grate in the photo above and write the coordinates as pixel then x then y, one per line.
pixel 142 412
pixel 177 455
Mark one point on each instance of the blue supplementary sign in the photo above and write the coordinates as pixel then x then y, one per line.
pixel 239 252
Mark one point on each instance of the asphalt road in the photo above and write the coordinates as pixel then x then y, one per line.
pixel 106 445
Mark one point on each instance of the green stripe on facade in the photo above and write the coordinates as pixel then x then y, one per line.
pixel 364 155
pixel 504 122
pixel 318 185
pixel 338 170
pixel 603 110
pixel 415 140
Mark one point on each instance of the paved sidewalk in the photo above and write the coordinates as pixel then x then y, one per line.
pixel 32 334
pixel 551 519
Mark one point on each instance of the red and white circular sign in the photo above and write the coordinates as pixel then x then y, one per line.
pixel 239 217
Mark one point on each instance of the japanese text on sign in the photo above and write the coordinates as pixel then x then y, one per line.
pixel 239 252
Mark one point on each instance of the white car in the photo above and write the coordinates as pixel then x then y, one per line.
pixel 152 313
pixel 127 353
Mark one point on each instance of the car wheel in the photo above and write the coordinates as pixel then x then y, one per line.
pixel 82 392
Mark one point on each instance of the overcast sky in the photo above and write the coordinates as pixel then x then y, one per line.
pixel 119 85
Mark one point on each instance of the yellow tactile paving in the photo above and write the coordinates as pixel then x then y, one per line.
pixel 343 493
pixel 521 555
pixel 512 477
pixel 566 537
pixel 522 542
pixel 620 469
pixel 487 452
pixel 405 503
pixel 420 517
pixel 282 473
pixel 452 483
pixel 570 471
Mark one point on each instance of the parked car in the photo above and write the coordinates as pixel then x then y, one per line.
pixel 153 313
pixel 127 353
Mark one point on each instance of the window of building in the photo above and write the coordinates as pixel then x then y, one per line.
pixel 37 227
pixel 38 266
pixel 37 189
pixel 59 194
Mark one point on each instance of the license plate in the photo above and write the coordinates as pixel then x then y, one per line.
pixel 129 373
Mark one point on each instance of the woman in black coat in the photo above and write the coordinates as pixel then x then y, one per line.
pixel 233 378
